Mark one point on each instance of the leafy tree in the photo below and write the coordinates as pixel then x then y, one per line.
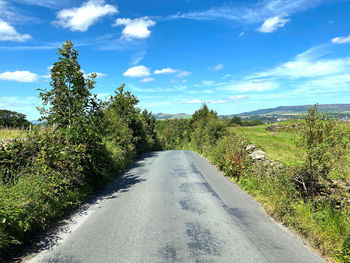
pixel 255 122
pixel 12 119
pixel 236 120
pixel 325 142
pixel 69 100
pixel 126 125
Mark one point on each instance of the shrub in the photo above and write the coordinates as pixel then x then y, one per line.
pixel 325 142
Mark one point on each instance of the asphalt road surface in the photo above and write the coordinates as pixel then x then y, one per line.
pixel 174 206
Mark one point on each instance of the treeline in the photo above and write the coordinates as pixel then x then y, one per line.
pixel 84 142
pixel 12 119
pixel 290 194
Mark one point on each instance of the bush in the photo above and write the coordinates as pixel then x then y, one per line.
pixel 325 142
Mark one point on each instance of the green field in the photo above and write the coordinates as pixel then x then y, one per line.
pixel 282 146
pixel 11 133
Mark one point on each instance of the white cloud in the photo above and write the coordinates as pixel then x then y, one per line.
pixel 100 75
pixel 208 82
pixel 220 101
pixel 250 14
pixel 86 75
pixel 9 33
pixel 195 101
pixel 208 91
pixel 307 65
pixel 237 97
pixel 308 74
pixel 183 74
pixel 45 3
pixel 216 67
pixel 137 72
pixel 146 80
pixel 165 71
pixel 13 14
pixel 135 28
pixel 81 18
pixel 341 40
pixel 20 76
pixel 255 85
pixel 273 23
pixel 136 58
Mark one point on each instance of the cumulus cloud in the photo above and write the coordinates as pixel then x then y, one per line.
pixel 137 72
pixel 341 40
pixel 135 28
pixel 183 74
pixel 86 75
pixel 19 76
pixel 100 75
pixel 146 80
pixel 9 33
pixel 81 18
pixel 273 23
pixel 165 71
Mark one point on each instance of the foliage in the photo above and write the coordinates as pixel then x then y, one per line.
pixel 325 143
pixel 69 100
pixel 251 122
pixel 125 124
pixel 323 223
pixel 206 129
pixel 12 119
pixel 230 156
pixel 83 143
pixel 235 120
pixel 173 134
pixel 8 134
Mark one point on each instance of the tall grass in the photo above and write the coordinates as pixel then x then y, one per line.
pixel 12 133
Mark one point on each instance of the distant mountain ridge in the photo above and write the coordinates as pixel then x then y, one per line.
pixel 281 110
pixel 293 110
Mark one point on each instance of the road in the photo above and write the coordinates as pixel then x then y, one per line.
pixel 174 206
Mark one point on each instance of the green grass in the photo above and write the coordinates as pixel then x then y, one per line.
pixel 11 133
pixel 280 146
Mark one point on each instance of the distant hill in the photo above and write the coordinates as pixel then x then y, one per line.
pixel 165 116
pixel 295 110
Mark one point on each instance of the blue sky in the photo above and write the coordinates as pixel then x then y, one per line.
pixel 174 55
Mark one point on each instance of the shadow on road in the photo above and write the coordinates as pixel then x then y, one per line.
pixel 47 240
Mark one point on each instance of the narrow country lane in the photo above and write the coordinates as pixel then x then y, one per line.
pixel 174 206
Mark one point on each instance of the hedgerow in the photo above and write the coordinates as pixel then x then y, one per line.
pixel 323 220
pixel 82 144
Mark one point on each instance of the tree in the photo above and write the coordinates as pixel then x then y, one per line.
pixel 123 121
pixel 236 120
pixel 69 99
pixel 12 119
pixel 325 142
